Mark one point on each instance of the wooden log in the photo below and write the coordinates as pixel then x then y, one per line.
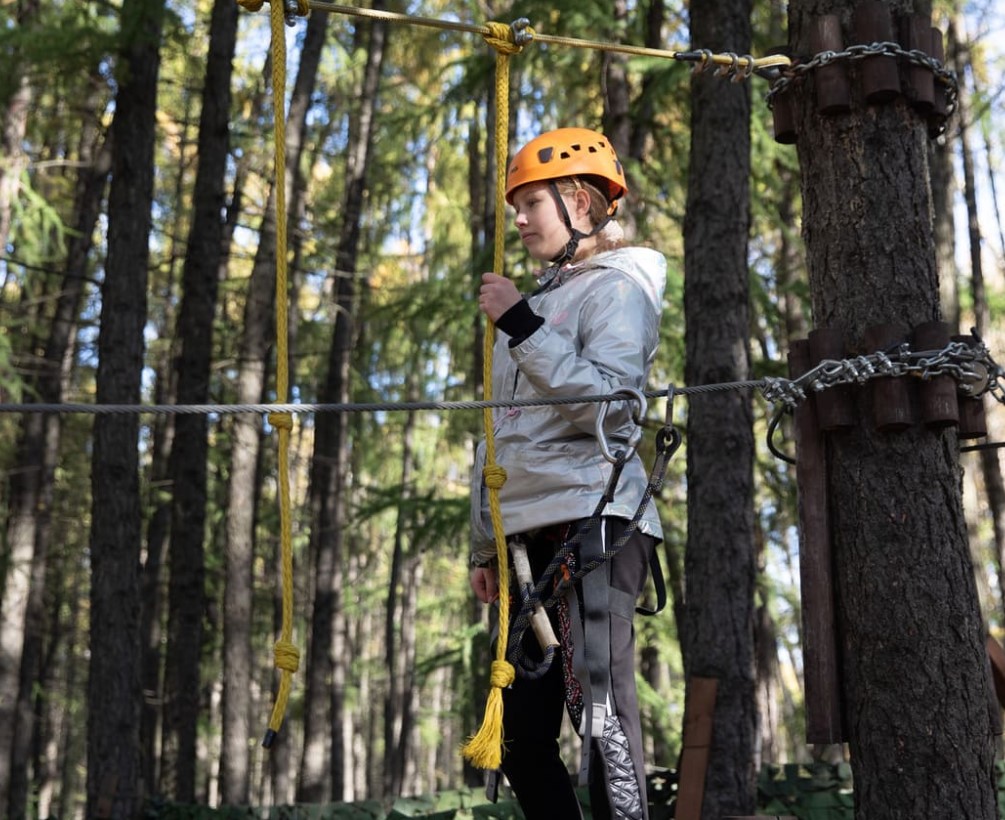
pixel 891 396
pixel 937 395
pixel 973 421
pixel 830 81
pixel 821 662
pixel 919 82
pixel 880 75
pixel 940 105
pixel 834 406
pixel 696 746
pixel 783 118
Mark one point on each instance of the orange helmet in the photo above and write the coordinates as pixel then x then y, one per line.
pixel 568 152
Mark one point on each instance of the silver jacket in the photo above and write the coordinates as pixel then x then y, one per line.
pixel 600 333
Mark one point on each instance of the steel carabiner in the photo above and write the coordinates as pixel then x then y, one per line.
pixel 638 415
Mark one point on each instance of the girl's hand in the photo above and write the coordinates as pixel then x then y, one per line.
pixel 485 584
pixel 496 295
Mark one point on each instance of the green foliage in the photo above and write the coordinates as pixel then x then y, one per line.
pixel 811 791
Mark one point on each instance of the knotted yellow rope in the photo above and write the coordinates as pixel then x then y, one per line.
pixel 286 654
pixel 484 750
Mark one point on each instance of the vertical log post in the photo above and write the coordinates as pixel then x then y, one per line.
pixel 973 422
pixel 831 81
pixel 880 75
pixel 821 673
pixel 939 407
pixel 940 106
pixel 919 82
pixel 834 407
pixel 783 119
pixel 696 746
pixel 891 397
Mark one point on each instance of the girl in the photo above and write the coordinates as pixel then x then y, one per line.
pixel 590 327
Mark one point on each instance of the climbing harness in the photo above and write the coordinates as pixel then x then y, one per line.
pixel 561 574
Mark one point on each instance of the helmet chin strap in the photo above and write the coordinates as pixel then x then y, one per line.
pixel 575 235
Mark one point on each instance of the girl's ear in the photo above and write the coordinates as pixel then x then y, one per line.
pixel 583 202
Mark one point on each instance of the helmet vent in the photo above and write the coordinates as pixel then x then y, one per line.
pixel 545 154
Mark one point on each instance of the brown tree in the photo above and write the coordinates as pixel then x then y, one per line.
pixel 186 596
pixel 114 785
pixel 717 635
pixel 914 672
pixel 324 708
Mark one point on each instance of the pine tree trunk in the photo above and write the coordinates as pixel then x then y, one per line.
pixel 186 589
pixel 395 617
pixel 114 786
pixel 326 666
pixel 994 486
pixel 914 671
pixel 13 159
pixel 717 638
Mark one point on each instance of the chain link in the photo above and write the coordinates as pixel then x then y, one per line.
pixel 969 363
pixel 943 75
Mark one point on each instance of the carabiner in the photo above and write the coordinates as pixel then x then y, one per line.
pixel 638 415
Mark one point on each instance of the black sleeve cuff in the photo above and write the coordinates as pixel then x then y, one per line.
pixel 519 322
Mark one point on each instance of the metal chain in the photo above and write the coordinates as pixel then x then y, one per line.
pixel 969 363
pixel 857 52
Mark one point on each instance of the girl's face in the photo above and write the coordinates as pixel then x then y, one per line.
pixel 541 227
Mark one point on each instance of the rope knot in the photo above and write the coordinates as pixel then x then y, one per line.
pixel 495 476
pixel 505 39
pixel 281 421
pixel 287 656
pixel 503 674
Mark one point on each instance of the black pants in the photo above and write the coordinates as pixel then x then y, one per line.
pixel 533 709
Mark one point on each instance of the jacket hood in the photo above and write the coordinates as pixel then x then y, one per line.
pixel 645 266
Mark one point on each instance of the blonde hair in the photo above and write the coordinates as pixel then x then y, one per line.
pixel 611 236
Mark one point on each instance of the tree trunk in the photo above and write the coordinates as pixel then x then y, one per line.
pixel 186 590
pixel 114 786
pixel 717 636
pixel 395 623
pixel 994 486
pixel 915 675
pixel 16 569
pixel 326 665
pixel 246 434
pixel 13 161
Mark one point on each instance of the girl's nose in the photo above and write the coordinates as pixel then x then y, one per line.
pixel 521 218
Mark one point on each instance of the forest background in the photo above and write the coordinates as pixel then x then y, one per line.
pixel 390 192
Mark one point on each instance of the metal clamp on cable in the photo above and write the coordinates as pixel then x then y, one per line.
pixel 638 415
pixel 522 32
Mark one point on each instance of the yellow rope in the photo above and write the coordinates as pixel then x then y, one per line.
pixel 484 750
pixel 287 656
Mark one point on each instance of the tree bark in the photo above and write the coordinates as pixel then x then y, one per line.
pixel 186 588
pixel 13 159
pixel 324 704
pixel 994 486
pixel 915 674
pixel 114 787
pixel 717 638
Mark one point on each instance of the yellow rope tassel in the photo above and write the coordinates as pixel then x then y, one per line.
pixel 287 656
pixel 484 750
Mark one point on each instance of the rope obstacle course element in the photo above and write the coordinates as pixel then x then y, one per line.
pixel 969 364
pixel 485 748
